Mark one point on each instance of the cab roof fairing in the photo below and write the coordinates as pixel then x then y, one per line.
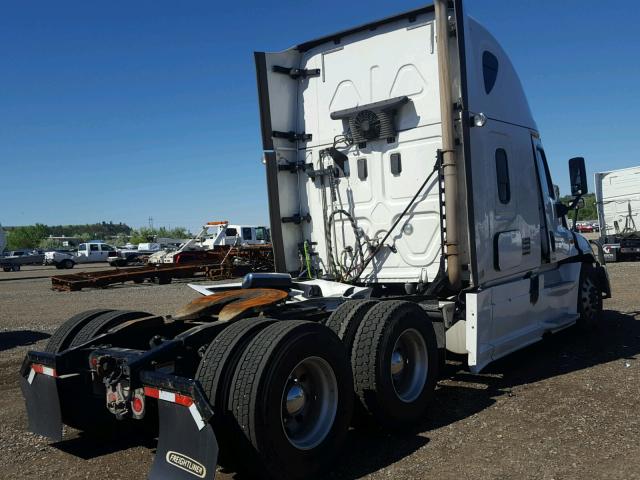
pixel 515 110
pixel 506 101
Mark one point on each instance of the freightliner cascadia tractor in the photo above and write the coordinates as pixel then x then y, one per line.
pixel 412 214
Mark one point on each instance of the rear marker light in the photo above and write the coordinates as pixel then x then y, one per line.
pixel 179 399
pixel 137 405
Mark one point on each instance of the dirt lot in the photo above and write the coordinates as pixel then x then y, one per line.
pixel 568 407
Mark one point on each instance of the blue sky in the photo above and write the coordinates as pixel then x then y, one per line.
pixel 124 110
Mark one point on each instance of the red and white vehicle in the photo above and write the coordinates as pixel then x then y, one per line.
pixel 585 227
pixel 212 235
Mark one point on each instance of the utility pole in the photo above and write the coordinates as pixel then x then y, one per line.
pixel 151 223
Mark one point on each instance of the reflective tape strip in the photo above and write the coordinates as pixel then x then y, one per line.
pixel 183 400
pixel 179 399
pixel 151 392
pixel 32 375
pixel 37 368
pixel 167 396
pixel 196 416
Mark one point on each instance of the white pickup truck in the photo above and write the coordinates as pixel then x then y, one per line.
pixel 87 253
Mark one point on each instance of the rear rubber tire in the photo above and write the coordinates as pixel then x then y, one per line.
pixel 346 319
pixel 261 383
pixel 215 373
pixel 6 269
pixel 103 323
pixel 371 361
pixel 79 407
pixel 15 268
pixel 67 264
pixel 344 322
pixel 64 334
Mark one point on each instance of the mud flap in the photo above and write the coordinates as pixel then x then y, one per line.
pixel 40 393
pixel 602 276
pixel 186 449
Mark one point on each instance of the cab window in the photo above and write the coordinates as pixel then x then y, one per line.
pixel 246 233
pixel 93 247
pixel 489 70
pixel 547 173
pixel 502 175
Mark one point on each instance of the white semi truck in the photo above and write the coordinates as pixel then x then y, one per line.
pixel 618 203
pixel 412 213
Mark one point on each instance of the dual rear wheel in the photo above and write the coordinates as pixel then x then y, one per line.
pixel 282 395
pixel 284 392
pixel 393 353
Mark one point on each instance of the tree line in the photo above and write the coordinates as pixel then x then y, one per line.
pixel 588 212
pixel 37 236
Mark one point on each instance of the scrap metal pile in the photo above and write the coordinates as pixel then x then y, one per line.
pixel 218 264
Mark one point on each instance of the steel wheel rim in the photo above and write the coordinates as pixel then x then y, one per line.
pixel 309 403
pixel 409 365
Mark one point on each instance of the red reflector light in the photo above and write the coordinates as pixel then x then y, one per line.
pixel 137 405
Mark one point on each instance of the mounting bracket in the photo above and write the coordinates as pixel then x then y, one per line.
pixel 292 136
pixel 297 73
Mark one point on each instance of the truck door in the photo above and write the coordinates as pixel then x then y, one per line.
pixel 247 235
pixel 555 238
pixel 94 254
pixel 105 250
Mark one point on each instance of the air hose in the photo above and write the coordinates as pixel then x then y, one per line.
pixel 404 212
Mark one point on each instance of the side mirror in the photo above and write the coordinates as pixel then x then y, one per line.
pixel 578 176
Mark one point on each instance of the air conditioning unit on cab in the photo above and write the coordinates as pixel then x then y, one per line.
pixel 373 121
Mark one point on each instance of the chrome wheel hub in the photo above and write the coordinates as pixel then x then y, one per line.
pixel 295 399
pixel 409 365
pixel 309 403
pixel 397 363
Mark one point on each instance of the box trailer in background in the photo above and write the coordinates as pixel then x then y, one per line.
pixel 618 202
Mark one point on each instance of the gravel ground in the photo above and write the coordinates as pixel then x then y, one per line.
pixel 567 407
